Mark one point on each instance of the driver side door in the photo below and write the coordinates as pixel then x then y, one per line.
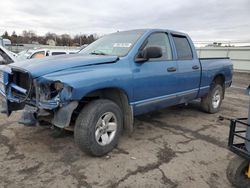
pixel 155 81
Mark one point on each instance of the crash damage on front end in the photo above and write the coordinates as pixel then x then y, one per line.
pixel 40 99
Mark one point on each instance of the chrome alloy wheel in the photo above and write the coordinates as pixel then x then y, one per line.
pixel 216 99
pixel 106 128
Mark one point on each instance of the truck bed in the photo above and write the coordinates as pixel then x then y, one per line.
pixel 215 66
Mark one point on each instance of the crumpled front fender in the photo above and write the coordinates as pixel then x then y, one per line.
pixel 62 116
pixel 43 90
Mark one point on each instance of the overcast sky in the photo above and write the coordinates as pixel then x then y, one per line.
pixel 203 20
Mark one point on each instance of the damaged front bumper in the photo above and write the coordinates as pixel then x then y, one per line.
pixel 40 98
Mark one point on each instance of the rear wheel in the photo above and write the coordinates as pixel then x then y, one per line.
pixel 212 101
pixel 98 127
pixel 236 172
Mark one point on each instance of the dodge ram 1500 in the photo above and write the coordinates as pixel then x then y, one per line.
pixel 97 92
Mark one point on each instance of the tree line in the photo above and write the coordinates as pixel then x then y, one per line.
pixel 29 37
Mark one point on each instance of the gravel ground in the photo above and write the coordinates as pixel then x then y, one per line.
pixel 174 147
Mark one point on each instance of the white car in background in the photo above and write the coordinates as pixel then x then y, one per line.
pixel 24 55
pixel 7 57
pixel 40 53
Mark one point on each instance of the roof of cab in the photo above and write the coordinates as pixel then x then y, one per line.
pixel 141 31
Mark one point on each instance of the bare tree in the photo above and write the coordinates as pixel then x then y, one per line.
pixel 61 40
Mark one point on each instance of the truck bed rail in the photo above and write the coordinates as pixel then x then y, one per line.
pixel 209 58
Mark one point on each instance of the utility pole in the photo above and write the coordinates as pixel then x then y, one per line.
pixel 80 39
pixel 55 40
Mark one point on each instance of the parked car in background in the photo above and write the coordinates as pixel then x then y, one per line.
pixel 6 57
pixel 40 53
pixel 98 91
pixel 25 54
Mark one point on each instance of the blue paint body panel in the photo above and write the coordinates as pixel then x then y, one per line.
pixel 149 86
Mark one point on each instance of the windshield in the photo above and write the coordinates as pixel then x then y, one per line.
pixel 117 44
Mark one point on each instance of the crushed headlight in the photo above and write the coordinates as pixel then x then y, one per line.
pixel 52 92
pixel 49 89
pixel 58 85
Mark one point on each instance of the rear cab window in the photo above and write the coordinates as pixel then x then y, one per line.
pixel 183 48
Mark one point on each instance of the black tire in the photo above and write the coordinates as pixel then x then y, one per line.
pixel 85 126
pixel 207 101
pixel 43 123
pixel 236 172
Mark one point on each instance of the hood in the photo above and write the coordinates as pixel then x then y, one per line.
pixel 43 66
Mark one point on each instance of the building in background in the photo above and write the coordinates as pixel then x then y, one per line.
pixel 240 56
pixel 51 42
pixel 5 42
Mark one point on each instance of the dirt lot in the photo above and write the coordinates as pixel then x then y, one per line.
pixel 174 147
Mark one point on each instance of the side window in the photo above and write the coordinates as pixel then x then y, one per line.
pixel 183 48
pixel 39 54
pixel 58 53
pixel 161 40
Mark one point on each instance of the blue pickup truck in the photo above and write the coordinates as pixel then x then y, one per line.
pixel 97 92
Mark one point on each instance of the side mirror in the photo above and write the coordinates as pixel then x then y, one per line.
pixel 148 53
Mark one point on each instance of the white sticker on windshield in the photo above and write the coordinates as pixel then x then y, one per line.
pixel 122 45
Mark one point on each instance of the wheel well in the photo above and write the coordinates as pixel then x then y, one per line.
pixel 220 79
pixel 116 95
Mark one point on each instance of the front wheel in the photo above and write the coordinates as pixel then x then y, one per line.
pixel 98 127
pixel 236 172
pixel 212 101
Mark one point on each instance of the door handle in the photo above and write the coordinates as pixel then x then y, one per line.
pixel 195 67
pixel 171 69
